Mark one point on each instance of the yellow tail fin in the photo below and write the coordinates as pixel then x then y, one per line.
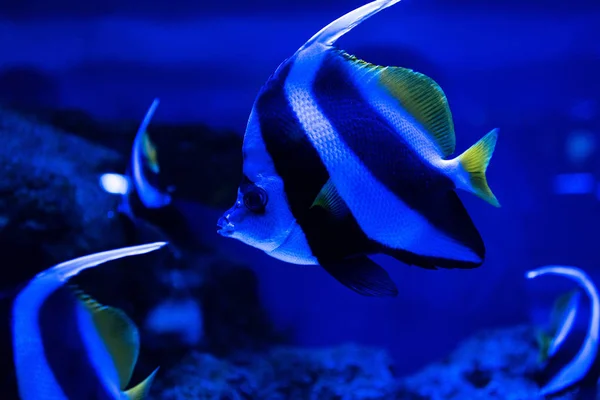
pixel 475 161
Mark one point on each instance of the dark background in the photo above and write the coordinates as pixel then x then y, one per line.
pixel 527 67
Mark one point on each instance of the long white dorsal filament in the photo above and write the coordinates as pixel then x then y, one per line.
pixel 338 28
pixel 579 366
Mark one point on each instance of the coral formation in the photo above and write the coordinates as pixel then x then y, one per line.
pixel 492 364
pixel 345 372
pixel 54 209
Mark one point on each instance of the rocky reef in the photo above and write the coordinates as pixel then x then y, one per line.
pixel 188 153
pixel 492 364
pixel 282 373
pixel 53 209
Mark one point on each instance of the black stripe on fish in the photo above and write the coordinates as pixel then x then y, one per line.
pixel 303 173
pixel 338 244
pixel 64 349
pixel 392 161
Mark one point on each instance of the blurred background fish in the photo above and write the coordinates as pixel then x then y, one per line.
pixel 583 370
pixel 68 346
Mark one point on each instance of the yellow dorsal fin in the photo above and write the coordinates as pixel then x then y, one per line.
pixel 119 333
pixel 141 391
pixel 421 96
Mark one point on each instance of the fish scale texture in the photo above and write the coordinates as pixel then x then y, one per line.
pixel 351 177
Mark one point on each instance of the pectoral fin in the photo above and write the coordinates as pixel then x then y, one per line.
pixel 330 200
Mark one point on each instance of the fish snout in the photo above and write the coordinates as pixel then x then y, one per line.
pixel 224 225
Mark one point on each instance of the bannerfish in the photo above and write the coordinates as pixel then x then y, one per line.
pixel 343 159
pixel 68 346
pixel 562 320
pixel 145 208
pixel 144 161
pixel 583 371
pixel 137 188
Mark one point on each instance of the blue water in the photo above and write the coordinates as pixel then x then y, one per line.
pixel 529 69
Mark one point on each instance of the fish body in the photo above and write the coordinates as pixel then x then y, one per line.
pixel 562 320
pixel 66 345
pixel 143 162
pixel 145 206
pixel 344 159
pixel 583 371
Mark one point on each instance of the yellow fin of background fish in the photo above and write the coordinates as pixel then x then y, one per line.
pixel 421 96
pixel 119 333
pixel 141 391
pixel 475 161
pixel 560 308
pixel 543 341
pixel 329 199
pixel 149 150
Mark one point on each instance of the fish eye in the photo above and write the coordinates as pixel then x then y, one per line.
pixel 255 199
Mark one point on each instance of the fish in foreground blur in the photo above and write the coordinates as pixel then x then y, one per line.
pixel 66 345
pixel 562 319
pixel 583 371
pixel 345 159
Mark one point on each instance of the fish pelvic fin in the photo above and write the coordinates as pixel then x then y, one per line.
pixel 338 28
pixel 142 389
pixel 475 162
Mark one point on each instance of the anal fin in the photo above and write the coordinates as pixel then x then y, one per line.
pixel 363 276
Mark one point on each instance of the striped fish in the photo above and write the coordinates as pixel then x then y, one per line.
pixel 68 346
pixel 344 159
pixel 144 159
pixel 562 319
pixel 583 371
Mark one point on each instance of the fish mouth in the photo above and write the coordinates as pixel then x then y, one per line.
pixel 224 226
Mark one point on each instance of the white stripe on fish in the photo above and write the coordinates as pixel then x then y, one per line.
pixel 380 213
pixel 27 342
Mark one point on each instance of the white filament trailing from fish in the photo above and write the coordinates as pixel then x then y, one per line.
pixel 579 366
pixel 338 28
pixel 63 271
